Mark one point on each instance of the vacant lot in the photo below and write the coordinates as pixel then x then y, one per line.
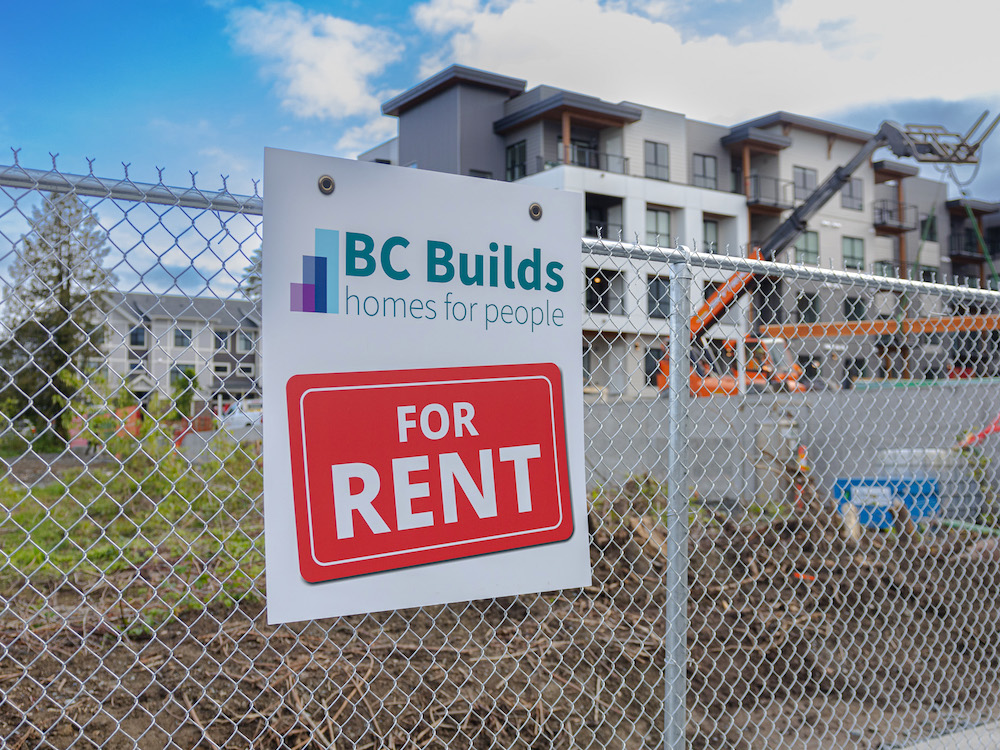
pixel 133 598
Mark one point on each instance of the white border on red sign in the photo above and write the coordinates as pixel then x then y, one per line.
pixel 305 463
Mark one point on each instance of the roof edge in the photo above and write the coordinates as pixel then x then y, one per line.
pixel 570 100
pixel 451 76
pixel 806 123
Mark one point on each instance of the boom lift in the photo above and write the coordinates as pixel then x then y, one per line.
pixel 925 143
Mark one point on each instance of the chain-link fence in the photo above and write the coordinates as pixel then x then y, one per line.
pixel 794 529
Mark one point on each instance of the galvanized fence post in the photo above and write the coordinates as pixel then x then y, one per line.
pixel 675 637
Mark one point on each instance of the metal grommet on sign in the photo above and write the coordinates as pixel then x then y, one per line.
pixel 535 211
pixel 326 184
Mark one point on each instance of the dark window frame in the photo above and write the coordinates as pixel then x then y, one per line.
pixel 658 296
pixel 183 337
pixel 852 195
pixel 137 337
pixel 711 245
pixel 600 295
pixel 516 160
pixel 852 261
pixel 657 157
pixel 704 177
pixel 807 307
pixel 805 181
pixel 855 308
pixel 805 255
pixel 651 235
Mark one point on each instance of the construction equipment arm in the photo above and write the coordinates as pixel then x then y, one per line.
pixel 718 304
pixel 795 224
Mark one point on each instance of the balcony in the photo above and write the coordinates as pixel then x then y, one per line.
pixel 769 194
pixel 587 158
pixel 965 247
pixel 893 218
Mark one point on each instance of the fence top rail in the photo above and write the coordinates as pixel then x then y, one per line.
pixel 734 264
pixel 129 190
pixel 23 178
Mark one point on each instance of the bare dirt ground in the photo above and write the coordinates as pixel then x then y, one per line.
pixel 800 637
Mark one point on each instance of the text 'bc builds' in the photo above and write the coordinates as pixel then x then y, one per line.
pixel 493 269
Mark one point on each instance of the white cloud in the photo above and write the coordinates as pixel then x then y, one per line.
pixel 368 135
pixel 444 16
pixel 819 58
pixel 324 64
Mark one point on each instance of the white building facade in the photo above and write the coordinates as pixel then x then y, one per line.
pixel 150 339
pixel 657 178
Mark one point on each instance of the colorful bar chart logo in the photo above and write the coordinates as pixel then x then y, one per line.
pixel 318 291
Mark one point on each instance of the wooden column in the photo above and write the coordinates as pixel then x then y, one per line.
pixel 904 273
pixel 746 192
pixel 903 260
pixel 565 137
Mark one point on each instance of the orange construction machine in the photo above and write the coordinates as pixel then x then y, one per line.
pixel 764 371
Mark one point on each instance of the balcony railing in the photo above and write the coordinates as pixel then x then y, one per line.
pixel 967 246
pixel 770 192
pixel 587 158
pixel 894 216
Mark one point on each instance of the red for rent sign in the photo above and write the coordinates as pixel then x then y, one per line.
pixel 394 469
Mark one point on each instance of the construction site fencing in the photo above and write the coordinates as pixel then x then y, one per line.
pixel 793 518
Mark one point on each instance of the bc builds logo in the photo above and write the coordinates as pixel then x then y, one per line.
pixel 320 276
pixel 442 273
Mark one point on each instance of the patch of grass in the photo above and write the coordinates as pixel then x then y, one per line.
pixel 179 534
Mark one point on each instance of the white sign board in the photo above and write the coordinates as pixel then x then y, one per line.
pixel 423 439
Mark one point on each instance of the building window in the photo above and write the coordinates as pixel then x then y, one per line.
pixel 928 228
pixel 182 337
pixel 807 249
pixel 767 301
pixel 517 157
pixel 654 355
pixel 710 235
pixel 805 182
pixel 658 297
pixel 807 308
pixel 244 342
pixel 929 274
pixel 706 171
pixel 852 194
pixel 221 339
pixel 855 308
pixel 246 370
pixel 657 160
pixel 854 253
pixel 137 336
pixel 658 226
pixel 221 368
pixel 604 291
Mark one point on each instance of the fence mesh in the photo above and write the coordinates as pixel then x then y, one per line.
pixel 794 545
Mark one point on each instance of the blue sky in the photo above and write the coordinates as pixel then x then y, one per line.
pixel 206 85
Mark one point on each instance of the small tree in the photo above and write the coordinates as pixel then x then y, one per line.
pixel 250 284
pixel 185 387
pixel 53 310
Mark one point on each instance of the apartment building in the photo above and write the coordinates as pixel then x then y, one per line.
pixel 659 178
pixel 150 339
